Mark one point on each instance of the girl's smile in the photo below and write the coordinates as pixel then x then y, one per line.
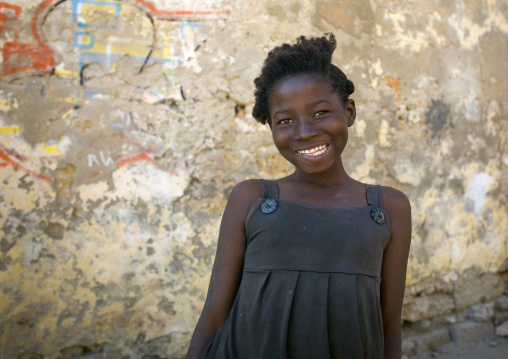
pixel 313 152
pixel 310 124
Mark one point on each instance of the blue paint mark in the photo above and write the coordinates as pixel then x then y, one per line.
pixel 76 43
pixel 75 12
pixel 193 25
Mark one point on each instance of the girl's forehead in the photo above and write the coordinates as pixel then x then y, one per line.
pixel 299 86
pixel 299 80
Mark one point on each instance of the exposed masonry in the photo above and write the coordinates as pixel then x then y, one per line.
pixel 125 124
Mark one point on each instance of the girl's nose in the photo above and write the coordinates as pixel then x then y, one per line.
pixel 305 130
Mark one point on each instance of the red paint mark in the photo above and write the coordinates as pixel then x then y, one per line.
pixel 141 157
pixel 13 153
pixel 19 57
pixel 4 16
pixel 179 14
pixel 8 160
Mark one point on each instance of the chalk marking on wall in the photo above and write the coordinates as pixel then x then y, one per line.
pixel 92 159
pixel 106 160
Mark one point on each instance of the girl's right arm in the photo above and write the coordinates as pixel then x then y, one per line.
pixel 227 268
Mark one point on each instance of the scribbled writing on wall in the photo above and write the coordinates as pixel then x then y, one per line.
pixel 75 44
pixel 99 33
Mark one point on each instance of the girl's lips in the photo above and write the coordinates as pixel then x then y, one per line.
pixel 313 152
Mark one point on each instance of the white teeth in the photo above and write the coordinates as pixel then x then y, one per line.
pixel 316 151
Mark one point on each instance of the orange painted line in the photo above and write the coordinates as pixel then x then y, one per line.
pixel 177 13
pixel 4 156
pixel 49 60
pixel 3 164
pixel 129 160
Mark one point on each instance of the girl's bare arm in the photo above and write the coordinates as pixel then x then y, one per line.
pixel 227 268
pixel 393 272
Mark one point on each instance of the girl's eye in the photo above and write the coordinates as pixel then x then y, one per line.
pixel 319 113
pixel 284 121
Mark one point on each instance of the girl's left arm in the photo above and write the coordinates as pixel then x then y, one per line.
pixel 393 271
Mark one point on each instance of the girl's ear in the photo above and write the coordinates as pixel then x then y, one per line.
pixel 350 112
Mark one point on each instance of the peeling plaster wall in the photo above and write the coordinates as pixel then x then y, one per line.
pixel 124 125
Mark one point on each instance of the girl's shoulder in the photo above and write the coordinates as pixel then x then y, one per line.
pixel 397 206
pixel 244 197
pixel 247 190
pixel 393 197
pixel 245 193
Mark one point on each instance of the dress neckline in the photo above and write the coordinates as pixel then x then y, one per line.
pixel 319 206
pixel 372 193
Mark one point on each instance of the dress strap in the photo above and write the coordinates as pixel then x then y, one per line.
pixel 269 188
pixel 374 195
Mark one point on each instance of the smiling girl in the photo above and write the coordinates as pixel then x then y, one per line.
pixel 312 265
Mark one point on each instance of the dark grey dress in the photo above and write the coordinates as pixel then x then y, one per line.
pixel 310 284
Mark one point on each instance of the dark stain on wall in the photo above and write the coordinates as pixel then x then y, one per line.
pixel 437 116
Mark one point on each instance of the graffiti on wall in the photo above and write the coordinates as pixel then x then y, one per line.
pixel 21 56
pixel 90 17
pixel 72 43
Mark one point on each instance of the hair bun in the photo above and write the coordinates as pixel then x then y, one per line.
pixel 350 87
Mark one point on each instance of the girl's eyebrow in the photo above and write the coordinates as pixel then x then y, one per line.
pixel 284 110
pixel 316 103
pixel 312 104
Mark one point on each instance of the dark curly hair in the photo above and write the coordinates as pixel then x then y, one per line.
pixel 308 56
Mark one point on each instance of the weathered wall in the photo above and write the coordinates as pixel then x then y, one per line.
pixel 124 125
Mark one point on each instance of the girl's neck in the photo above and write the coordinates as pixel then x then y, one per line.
pixel 336 176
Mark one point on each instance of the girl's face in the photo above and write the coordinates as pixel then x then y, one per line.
pixel 310 123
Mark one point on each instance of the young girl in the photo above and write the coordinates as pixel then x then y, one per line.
pixel 312 265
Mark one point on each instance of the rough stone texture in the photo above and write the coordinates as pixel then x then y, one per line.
pixel 502 303
pixel 504 276
pixel 500 317
pixel 425 341
pixel 501 314
pixel 469 291
pixel 125 124
pixel 469 331
pixel 502 330
pixel 425 307
pixel 481 312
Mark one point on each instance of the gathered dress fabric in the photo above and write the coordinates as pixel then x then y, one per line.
pixel 310 286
